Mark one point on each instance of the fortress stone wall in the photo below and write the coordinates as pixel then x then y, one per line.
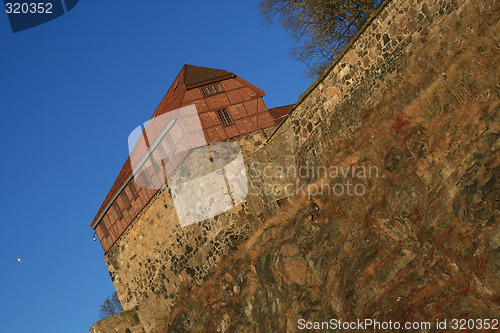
pixel 414 95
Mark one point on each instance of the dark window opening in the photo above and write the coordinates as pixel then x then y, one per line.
pixel 144 178
pixel 105 231
pixel 118 211
pixel 156 167
pixel 224 117
pixel 211 89
pixel 125 199
pixel 170 143
pixel 161 152
pixel 133 190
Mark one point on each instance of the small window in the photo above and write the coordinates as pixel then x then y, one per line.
pixel 224 117
pixel 156 167
pixel 161 152
pixel 105 231
pixel 125 199
pixel 170 143
pixel 211 89
pixel 118 211
pixel 133 190
pixel 144 178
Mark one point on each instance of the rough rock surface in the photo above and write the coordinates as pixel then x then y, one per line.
pixel 421 245
pixel 416 95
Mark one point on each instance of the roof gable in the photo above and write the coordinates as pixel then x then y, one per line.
pixel 188 78
pixel 197 75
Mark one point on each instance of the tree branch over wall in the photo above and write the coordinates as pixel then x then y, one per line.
pixel 321 28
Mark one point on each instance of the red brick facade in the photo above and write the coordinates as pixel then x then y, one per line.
pixel 228 107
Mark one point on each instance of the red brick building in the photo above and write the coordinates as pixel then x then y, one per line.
pixel 228 107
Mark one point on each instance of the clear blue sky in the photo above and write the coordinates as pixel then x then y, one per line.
pixel 71 91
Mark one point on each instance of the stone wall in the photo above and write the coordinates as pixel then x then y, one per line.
pixel 414 95
pixel 123 322
pixel 155 255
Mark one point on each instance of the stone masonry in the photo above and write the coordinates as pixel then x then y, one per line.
pixel 415 95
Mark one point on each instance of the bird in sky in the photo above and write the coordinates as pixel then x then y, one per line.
pixel 19 260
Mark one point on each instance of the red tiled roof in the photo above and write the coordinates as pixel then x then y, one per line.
pixel 120 179
pixel 171 101
pixel 280 113
pixel 195 75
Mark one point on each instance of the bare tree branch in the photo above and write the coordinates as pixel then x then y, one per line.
pixel 321 28
pixel 110 307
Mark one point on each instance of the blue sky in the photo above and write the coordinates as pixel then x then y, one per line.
pixel 71 91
